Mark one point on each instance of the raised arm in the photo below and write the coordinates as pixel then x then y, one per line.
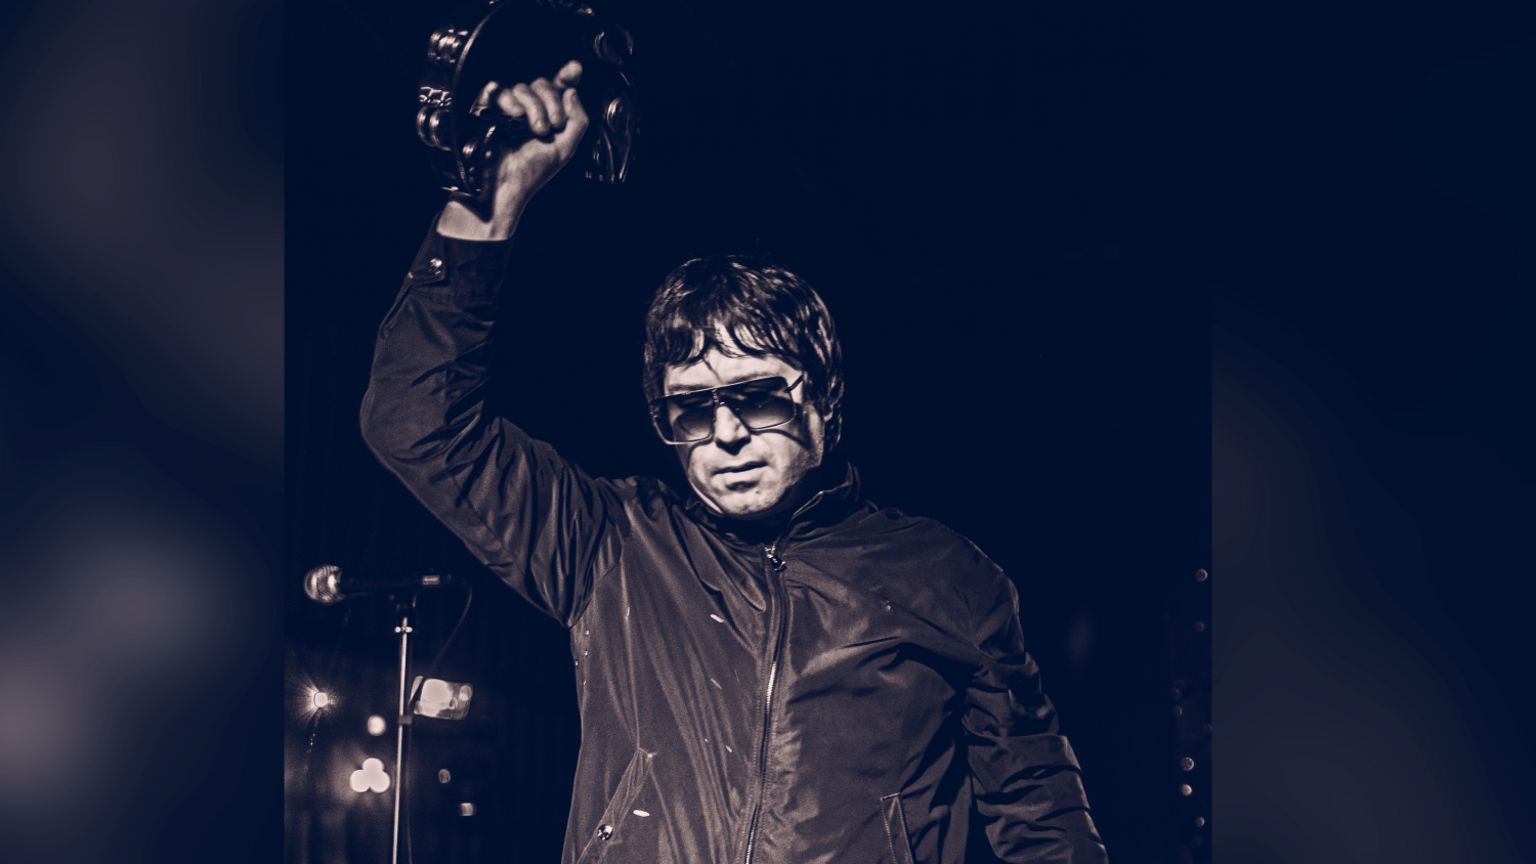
pixel 536 520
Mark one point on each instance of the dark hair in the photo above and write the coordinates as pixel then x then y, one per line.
pixel 765 309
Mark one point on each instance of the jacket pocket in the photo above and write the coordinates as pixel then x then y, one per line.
pixel 896 836
pixel 607 833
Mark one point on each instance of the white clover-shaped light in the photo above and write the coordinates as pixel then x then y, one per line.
pixel 370 777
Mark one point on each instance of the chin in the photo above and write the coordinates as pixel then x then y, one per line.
pixel 753 504
pixel 744 509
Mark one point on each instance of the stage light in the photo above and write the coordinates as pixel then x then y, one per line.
pixel 435 691
pixel 309 699
pixel 444 775
pixel 444 700
pixel 376 725
pixel 370 776
pixel 466 808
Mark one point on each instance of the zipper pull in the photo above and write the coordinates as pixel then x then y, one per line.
pixel 773 558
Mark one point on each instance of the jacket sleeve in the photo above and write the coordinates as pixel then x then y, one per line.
pixel 1026 782
pixel 537 521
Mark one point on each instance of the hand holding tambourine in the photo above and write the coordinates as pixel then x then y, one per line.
pixel 501 110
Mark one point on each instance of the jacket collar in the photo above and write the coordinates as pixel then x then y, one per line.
pixel 840 495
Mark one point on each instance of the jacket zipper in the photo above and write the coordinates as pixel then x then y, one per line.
pixel 777 566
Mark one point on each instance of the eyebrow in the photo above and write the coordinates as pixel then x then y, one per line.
pixel 724 384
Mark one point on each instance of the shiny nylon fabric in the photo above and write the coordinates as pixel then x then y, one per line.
pixel 902 702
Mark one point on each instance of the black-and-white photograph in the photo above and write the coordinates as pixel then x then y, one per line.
pixel 741 434
pixel 477 431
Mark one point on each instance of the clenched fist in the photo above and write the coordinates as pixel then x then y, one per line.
pixel 556 119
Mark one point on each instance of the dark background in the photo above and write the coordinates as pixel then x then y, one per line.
pixel 982 198
pixel 1351 181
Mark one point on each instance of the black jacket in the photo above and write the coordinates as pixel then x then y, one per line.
pixel 855 689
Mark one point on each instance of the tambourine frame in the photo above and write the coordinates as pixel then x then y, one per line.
pixel 514 41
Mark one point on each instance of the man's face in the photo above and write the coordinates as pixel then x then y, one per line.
pixel 740 472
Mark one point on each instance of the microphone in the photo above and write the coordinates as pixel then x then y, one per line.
pixel 327 584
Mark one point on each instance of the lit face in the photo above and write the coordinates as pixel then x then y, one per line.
pixel 745 473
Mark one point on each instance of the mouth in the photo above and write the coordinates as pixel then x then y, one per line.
pixel 742 468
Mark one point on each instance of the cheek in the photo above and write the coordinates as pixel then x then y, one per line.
pixel 693 466
pixel 795 459
pixel 816 431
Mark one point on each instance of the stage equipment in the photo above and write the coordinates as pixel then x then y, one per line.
pixel 329 584
pixel 442 700
pixel 517 41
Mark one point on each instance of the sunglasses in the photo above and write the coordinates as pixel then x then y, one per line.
pixel 762 403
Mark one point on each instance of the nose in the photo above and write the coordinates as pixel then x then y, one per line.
pixel 729 430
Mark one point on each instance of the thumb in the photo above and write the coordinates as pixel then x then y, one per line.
pixel 575 112
pixel 569 74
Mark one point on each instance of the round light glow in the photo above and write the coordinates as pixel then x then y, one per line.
pixel 320 699
pixel 376 725
pixel 359 781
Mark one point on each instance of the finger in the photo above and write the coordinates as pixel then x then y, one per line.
pixel 507 104
pixel 551 98
pixel 538 120
pixel 569 74
pixel 483 101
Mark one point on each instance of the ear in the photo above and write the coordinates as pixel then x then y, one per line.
pixel 829 441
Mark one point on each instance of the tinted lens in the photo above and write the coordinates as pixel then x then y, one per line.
pixel 759 404
pixel 692 422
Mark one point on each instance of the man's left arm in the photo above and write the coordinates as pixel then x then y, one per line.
pixel 1027 784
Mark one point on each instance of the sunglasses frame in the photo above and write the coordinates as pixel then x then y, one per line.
pixel 657 405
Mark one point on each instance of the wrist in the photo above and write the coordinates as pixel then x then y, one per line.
pixel 466 267
pixel 459 221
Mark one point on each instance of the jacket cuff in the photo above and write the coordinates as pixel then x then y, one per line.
pixel 461 268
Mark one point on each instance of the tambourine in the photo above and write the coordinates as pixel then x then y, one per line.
pixel 520 40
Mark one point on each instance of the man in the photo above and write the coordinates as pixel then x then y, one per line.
pixel 770 669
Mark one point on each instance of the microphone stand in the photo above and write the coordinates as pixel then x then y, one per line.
pixel 405 610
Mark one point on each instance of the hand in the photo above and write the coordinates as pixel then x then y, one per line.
pixel 557 120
